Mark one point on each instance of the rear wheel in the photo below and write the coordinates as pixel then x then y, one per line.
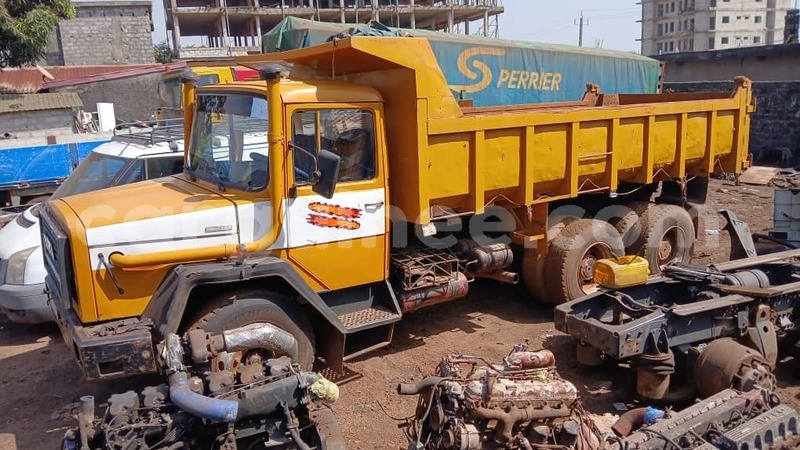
pixel 571 257
pixel 667 236
pixel 533 264
pixel 246 308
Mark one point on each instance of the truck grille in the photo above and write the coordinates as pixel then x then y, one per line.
pixel 57 259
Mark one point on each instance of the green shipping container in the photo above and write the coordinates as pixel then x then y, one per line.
pixel 495 72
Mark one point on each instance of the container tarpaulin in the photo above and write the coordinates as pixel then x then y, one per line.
pixel 494 72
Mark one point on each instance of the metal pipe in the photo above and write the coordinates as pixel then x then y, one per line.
pixel 507 420
pixel 86 419
pixel 502 276
pixel 262 335
pixel 416 388
pixel 629 422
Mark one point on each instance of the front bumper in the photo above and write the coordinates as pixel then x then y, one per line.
pixel 116 349
pixel 25 303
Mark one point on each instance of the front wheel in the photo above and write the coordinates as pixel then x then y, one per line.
pixel 247 308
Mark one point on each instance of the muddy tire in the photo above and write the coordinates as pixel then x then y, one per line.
pixel 667 236
pixel 533 265
pixel 238 310
pixel 627 220
pixel 37 199
pixel 570 260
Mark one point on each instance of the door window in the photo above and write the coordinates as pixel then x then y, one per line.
pixel 350 133
pixel 162 167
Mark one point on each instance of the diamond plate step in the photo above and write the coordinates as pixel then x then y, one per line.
pixel 367 318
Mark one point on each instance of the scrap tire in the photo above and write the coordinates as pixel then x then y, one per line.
pixel 260 306
pixel 571 253
pixel 667 236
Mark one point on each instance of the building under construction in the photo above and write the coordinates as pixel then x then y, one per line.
pixel 214 28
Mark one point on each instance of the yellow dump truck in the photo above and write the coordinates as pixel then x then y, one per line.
pixel 347 187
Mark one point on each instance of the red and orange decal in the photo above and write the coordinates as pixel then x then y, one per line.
pixel 335 210
pixel 333 222
pixel 333 216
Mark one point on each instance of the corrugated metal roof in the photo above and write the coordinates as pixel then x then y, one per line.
pixel 12 103
pixel 28 80
pixel 114 75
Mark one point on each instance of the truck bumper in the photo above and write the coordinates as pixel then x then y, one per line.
pixel 109 350
pixel 25 304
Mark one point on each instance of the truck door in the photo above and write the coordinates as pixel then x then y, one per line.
pixel 341 241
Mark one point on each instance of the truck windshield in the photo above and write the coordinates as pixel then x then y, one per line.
pixel 228 144
pixel 170 89
pixel 99 171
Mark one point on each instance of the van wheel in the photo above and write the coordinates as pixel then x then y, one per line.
pixel 667 236
pixel 571 257
pixel 246 308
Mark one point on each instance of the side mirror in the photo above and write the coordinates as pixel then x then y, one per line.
pixel 328 168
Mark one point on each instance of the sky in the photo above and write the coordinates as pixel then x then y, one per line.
pixel 612 26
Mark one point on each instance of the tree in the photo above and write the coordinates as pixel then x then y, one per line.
pixel 164 52
pixel 26 27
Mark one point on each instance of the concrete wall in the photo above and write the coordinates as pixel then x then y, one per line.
pixel 769 63
pixel 133 98
pixel 105 33
pixel 31 124
pixel 775 127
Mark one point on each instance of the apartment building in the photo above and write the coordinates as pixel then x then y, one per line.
pixel 213 28
pixel 670 26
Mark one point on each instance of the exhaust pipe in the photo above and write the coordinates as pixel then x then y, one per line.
pixel 416 388
pixel 261 400
pixel 204 345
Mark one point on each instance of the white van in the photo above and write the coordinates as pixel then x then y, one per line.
pixel 128 158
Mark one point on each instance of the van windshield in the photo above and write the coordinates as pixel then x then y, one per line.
pixel 99 171
pixel 228 145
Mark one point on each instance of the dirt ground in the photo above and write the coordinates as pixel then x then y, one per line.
pixel 39 380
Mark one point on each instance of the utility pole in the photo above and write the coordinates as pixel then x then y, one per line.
pixel 581 22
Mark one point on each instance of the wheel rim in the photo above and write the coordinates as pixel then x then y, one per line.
pixel 668 247
pixel 586 266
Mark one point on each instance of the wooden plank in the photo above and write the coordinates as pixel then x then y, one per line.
pixel 758 175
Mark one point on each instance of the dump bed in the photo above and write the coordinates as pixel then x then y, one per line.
pixel 445 159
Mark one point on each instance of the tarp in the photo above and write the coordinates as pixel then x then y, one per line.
pixel 43 163
pixel 495 72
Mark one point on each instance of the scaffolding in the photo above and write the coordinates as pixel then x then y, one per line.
pixel 217 28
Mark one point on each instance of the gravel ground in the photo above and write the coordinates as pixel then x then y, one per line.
pixel 39 380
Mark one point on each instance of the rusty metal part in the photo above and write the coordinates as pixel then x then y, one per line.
pixel 502 276
pixel 249 373
pixel 653 374
pixel 422 268
pixel 531 360
pixel 762 336
pixel 725 363
pixel 416 388
pixel 327 427
pixel 628 422
pixel 456 288
pixel 204 345
pixel 487 258
pixel 507 419
pixel 742 245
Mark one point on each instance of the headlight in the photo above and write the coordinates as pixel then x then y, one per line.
pixel 15 272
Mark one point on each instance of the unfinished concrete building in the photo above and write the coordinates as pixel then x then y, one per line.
pixel 215 28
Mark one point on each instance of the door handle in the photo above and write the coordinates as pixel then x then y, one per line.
pixel 373 205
